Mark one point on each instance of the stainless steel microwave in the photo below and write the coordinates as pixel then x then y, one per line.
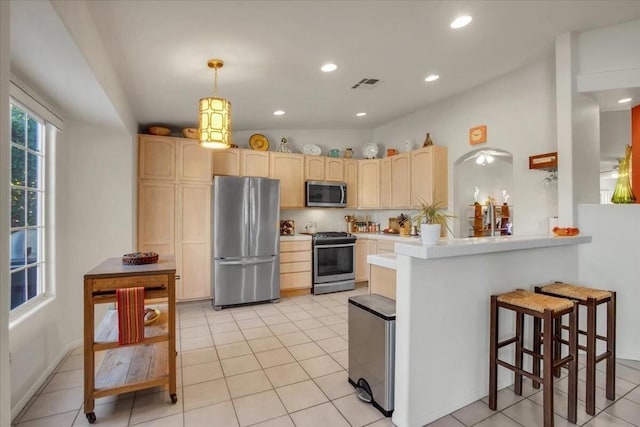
pixel 325 194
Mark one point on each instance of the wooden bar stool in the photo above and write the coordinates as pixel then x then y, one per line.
pixel 547 309
pixel 591 299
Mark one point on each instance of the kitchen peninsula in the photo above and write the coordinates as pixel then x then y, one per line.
pixel 442 306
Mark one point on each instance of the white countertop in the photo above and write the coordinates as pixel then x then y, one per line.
pixel 295 237
pixel 447 248
pixel 383 260
pixel 384 236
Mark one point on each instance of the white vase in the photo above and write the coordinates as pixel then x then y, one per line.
pixel 430 233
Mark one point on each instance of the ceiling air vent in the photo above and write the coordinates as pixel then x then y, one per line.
pixel 367 84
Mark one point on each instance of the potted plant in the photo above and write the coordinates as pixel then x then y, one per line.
pixel 431 219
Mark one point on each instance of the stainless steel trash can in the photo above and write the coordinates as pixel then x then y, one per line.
pixel 372 339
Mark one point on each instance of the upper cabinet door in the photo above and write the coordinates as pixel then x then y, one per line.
pixel 194 161
pixel 429 175
pixel 385 183
pixel 334 169
pixel 226 162
pixel 369 183
pixel 255 163
pixel 401 180
pixel 313 168
pixel 156 157
pixel 289 169
pixel 351 178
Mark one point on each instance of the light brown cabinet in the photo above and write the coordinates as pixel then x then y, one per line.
pixel 364 247
pixel 157 158
pixel 386 187
pixel 369 183
pixel 351 178
pixel 254 163
pixel 382 281
pixel 226 162
pixel 334 169
pixel 313 168
pixel 401 180
pixel 289 169
pixel 429 175
pixel 295 265
pixel 174 215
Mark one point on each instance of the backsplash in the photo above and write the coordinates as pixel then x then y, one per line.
pixel 333 219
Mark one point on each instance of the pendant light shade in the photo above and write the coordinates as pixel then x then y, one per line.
pixel 215 116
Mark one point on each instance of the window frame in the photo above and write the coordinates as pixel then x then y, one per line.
pixel 41 223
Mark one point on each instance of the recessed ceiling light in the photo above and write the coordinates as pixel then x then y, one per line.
pixel 624 100
pixel 461 21
pixel 361 114
pixel 432 78
pixel 327 68
pixel 278 113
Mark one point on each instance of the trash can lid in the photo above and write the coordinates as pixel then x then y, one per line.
pixel 376 304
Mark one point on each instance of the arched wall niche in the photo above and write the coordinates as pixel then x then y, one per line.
pixel 488 169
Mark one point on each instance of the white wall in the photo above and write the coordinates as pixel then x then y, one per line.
pixel 326 139
pixel 615 134
pixel 611 262
pixel 5 167
pixel 93 212
pixel 518 111
pixel 608 57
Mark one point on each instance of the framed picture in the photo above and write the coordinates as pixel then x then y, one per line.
pixel 478 134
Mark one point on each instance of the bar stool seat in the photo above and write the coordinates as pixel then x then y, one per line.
pixel 590 298
pixel 546 309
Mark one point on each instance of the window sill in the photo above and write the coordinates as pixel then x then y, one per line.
pixel 31 308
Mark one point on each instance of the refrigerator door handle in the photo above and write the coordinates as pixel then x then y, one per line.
pixel 246 261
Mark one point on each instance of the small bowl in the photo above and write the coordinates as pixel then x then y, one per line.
pixel 160 131
pixel 190 133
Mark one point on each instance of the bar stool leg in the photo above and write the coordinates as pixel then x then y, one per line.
pixel 611 347
pixel 591 357
pixel 536 347
pixel 572 414
pixel 557 344
pixel 493 355
pixel 519 344
pixel 547 369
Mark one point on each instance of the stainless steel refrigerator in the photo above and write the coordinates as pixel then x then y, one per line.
pixel 246 240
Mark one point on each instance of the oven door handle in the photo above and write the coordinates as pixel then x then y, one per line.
pixel 340 245
pixel 343 197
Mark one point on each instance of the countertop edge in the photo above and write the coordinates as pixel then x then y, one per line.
pixel 295 237
pixel 383 260
pixel 448 248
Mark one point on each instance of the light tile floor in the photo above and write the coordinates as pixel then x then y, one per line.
pixel 283 365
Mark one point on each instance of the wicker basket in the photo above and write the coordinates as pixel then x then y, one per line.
pixel 138 258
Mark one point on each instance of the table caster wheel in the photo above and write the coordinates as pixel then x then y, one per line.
pixel 91 417
pixel 174 398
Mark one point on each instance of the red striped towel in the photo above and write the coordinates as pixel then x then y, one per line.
pixel 130 315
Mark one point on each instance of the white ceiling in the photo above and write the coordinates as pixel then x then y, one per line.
pixel 273 51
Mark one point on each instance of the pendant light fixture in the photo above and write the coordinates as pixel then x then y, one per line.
pixel 215 116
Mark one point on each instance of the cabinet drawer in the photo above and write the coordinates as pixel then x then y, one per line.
pixel 295 256
pixel 112 283
pixel 386 246
pixel 294 267
pixel 295 280
pixel 304 245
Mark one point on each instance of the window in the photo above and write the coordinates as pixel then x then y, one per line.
pixel 27 206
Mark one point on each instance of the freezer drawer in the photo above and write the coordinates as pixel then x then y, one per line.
pixel 372 349
pixel 245 280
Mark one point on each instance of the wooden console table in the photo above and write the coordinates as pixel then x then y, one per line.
pixel 127 368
